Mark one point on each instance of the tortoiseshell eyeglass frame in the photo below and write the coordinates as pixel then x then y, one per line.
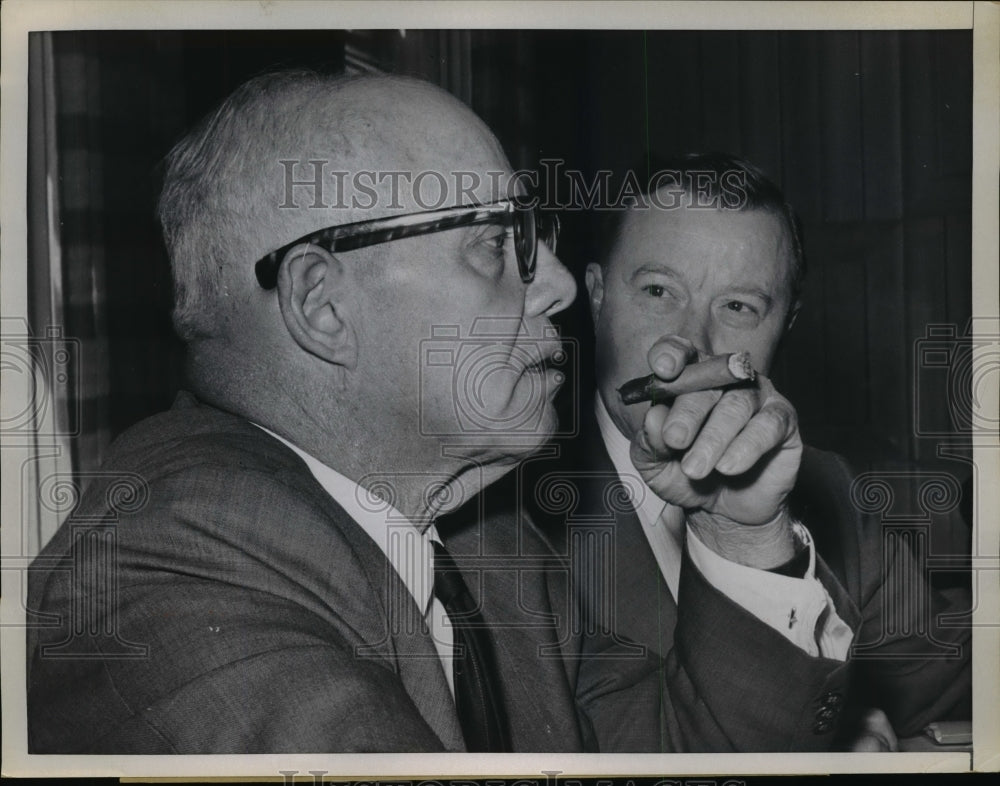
pixel 530 224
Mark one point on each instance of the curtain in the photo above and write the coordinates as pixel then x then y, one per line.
pixel 81 242
pixel 94 254
pixel 44 351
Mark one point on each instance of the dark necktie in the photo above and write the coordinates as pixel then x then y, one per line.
pixel 477 696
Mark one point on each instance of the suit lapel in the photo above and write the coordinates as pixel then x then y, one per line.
pixel 393 628
pixel 644 609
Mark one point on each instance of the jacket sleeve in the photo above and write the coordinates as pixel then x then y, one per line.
pixel 911 655
pixel 913 651
pixel 729 683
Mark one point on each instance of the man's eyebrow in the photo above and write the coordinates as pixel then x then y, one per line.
pixel 491 222
pixel 654 267
pixel 475 232
pixel 752 292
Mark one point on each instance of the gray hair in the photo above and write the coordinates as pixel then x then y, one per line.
pixel 215 204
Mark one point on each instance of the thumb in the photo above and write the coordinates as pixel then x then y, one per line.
pixel 648 446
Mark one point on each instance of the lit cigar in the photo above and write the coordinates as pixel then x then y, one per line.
pixel 714 372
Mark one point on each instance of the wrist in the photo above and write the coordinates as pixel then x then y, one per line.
pixel 763 546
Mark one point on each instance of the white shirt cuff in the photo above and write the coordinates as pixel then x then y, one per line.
pixel 801 610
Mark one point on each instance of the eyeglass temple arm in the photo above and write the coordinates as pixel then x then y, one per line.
pixel 367 233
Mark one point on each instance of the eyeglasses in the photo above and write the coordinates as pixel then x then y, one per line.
pixel 529 223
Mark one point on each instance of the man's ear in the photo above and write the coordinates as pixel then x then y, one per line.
pixel 312 293
pixel 594 279
pixel 793 314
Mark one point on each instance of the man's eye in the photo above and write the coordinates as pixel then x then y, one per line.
pixel 738 306
pixel 654 290
pixel 487 251
pixel 497 242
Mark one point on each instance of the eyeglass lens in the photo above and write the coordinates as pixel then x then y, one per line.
pixel 525 243
pixel 531 226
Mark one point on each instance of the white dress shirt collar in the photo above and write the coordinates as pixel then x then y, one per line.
pixel 408 550
pixel 662 524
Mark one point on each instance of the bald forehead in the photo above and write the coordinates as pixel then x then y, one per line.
pixel 392 124
pixel 399 144
pixel 416 122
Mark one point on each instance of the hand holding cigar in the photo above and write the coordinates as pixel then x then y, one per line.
pixel 714 372
pixel 724 451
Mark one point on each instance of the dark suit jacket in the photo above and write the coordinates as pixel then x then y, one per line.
pixel 756 689
pixel 208 596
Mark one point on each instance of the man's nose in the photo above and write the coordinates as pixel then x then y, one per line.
pixel 696 327
pixel 553 287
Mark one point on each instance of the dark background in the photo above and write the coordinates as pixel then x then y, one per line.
pixel 868 133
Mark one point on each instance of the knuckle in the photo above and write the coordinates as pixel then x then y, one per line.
pixel 738 405
pixel 759 444
pixel 783 419
pixel 712 441
pixel 749 446
pixel 693 407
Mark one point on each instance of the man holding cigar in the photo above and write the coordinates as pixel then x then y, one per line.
pixel 699 290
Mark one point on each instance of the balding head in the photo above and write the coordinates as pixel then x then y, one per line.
pixel 230 193
pixel 327 347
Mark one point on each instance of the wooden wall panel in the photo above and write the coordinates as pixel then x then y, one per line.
pixel 937 94
pixel 760 108
pixel 881 119
pixel 621 97
pixel 919 143
pixel 721 120
pixel 801 374
pixel 887 342
pixel 958 299
pixel 800 124
pixel 925 285
pixel 840 88
pixel 958 252
pixel 953 108
pixel 675 91
pixel 846 327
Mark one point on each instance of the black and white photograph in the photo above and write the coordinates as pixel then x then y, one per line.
pixel 389 380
